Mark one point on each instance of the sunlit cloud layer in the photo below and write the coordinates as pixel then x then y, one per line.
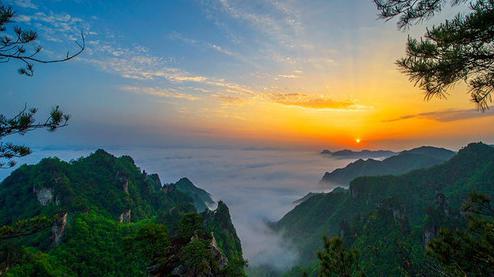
pixel 260 68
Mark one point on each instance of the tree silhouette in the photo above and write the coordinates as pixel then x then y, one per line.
pixel 460 49
pixel 17 45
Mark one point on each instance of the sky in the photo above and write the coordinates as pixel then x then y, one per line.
pixel 257 73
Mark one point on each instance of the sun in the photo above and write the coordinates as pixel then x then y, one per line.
pixel 357 140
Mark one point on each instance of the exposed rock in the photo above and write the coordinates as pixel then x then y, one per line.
pixel 125 186
pixel 124 180
pixel 429 234
pixel 44 195
pixel 58 229
pixel 125 216
pixel 217 254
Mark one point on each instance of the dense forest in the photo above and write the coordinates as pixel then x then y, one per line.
pixel 103 216
pixel 407 224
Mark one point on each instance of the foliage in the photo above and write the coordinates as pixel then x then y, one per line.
pixel 201 198
pixel 390 219
pixel 468 252
pixel 95 191
pixel 460 49
pixel 336 260
pixel 25 227
pixel 17 44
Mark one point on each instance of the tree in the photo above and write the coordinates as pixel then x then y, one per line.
pixel 17 45
pixel 459 50
pixel 468 252
pixel 336 260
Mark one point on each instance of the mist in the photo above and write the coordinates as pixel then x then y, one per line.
pixel 258 185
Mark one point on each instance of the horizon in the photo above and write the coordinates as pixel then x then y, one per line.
pixel 251 74
pixel 316 138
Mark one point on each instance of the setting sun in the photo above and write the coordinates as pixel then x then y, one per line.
pixel 357 140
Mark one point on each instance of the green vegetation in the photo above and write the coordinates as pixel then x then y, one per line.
pixel 459 50
pixel 390 220
pixel 467 252
pixel 336 260
pixel 202 199
pixel 103 216
pixel 405 161
pixel 19 45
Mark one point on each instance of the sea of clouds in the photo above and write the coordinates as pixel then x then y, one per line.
pixel 258 185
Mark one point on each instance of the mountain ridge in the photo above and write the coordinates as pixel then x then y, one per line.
pixel 362 154
pixel 416 158
pixel 101 205
pixel 410 208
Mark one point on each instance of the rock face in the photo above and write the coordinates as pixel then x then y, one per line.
pixel 44 195
pixel 58 229
pixel 439 214
pixel 124 180
pixel 125 216
pixel 216 252
pixel 125 186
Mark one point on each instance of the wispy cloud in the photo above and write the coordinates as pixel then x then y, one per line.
pixel 203 45
pixel 307 101
pixel 159 92
pixel 445 115
pixel 25 4
pixel 288 76
pixel 281 26
pixel 138 64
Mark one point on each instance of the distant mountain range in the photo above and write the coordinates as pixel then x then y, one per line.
pixel 390 219
pixel 400 163
pixel 364 154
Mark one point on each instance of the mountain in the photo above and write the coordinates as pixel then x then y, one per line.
pixel 202 199
pixel 307 196
pixel 389 219
pixel 425 156
pixel 364 154
pixel 101 215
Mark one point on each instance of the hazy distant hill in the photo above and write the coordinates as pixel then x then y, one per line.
pixel 405 161
pixel 111 218
pixel 364 154
pixel 382 216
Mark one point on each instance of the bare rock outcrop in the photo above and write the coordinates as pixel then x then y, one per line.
pixel 126 216
pixel 58 229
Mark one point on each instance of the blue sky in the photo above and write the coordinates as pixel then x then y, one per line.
pixel 218 72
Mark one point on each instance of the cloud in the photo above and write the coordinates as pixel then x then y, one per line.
pixel 158 92
pixel 25 4
pixel 280 25
pixel 306 101
pixel 204 45
pixel 288 76
pixel 232 100
pixel 445 115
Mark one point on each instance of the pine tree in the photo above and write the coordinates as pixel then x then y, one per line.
pixel 17 45
pixel 460 49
